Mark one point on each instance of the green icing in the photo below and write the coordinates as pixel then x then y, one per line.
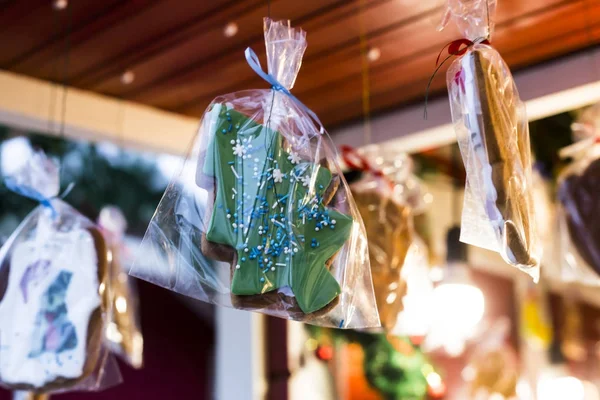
pixel 268 206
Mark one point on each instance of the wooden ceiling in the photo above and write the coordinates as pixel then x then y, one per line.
pixel 182 59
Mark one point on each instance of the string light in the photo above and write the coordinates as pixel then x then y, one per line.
pixel 230 30
pixel 127 77
pixel 60 4
pixel 373 54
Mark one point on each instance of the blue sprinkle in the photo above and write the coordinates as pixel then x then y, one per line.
pixel 262 279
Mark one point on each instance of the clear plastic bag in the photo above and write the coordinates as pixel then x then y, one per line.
pixel 53 294
pixel 123 333
pixel 390 231
pixel 385 197
pixel 260 217
pixel 493 135
pixel 578 205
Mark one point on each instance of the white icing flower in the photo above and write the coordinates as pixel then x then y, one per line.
pixel 305 180
pixel 239 150
pixel 294 157
pixel 277 175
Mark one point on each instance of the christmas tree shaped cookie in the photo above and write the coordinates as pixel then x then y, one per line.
pixel 269 217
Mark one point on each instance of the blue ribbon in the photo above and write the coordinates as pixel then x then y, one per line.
pixel 254 63
pixel 29 192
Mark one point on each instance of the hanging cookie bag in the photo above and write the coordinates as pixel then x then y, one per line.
pixel 387 212
pixel 123 333
pixel 578 194
pixel 260 217
pixel 492 131
pixel 53 293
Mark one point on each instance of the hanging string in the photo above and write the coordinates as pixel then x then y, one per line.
pixel 52 97
pixel 365 74
pixel 591 38
pixel 65 80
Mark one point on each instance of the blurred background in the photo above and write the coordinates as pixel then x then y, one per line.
pixel 115 90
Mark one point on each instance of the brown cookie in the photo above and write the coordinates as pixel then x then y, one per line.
pixel 499 115
pixel 579 195
pixel 390 234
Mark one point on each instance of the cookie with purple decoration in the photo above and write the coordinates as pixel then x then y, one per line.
pixel 51 310
pixel 270 219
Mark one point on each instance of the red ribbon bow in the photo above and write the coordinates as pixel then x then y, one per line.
pixel 455 48
pixel 356 161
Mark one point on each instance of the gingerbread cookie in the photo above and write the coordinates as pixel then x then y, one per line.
pixel 270 219
pixel 501 147
pixel 390 233
pixel 51 308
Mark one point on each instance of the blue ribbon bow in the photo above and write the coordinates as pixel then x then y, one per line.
pixel 26 191
pixel 254 63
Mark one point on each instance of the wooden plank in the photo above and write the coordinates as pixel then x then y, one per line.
pixel 25 103
pixel 400 49
pixel 184 80
pixel 45 26
pixel 164 30
pixel 399 95
pixel 182 60
pixel 80 42
pixel 408 77
pixel 12 11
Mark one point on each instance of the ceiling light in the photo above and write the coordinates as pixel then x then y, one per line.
pixel 373 54
pixel 458 305
pixel 127 77
pixel 230 30
pixel 60 4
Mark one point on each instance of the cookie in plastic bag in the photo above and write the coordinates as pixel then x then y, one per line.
pixel 53 294
pixel 260 217
pixel 123 332
pixel 579 203
pixel 388 219
pixel 493 134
